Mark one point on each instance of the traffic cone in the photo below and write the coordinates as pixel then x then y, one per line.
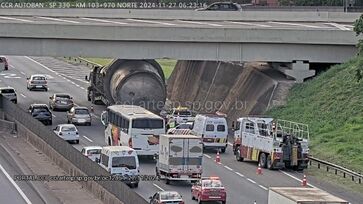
pixel 218 158
pixel 259 170
pixel 304 181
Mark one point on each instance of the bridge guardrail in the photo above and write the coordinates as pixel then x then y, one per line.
pixel 83 61
pixel 118 189
pixel 338 170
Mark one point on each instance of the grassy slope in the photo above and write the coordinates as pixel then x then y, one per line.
pixel 332 105
pixel 166 64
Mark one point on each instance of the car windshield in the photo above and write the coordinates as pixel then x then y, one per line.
pixel 128 162
pixel 212 183
pixel 183 113
pixel 81 111
pixel 69 129
pixel 185 126
pixel 40 109
pixel 169 196
pixel 38 78
pixel 6 91
pixel 63 96
pixel 94 151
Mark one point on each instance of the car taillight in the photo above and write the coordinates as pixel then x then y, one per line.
pixel 130 142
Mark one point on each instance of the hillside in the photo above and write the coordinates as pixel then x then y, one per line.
pixel 332 105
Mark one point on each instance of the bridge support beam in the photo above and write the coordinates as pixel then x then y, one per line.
pixel 297 70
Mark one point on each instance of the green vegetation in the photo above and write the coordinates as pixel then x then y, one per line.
pixel 332 105
pixel 166 64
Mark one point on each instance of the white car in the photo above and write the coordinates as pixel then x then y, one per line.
pixel 37 81
pixel 166 197
pixel 67 132
pixel 92 152
pixel 181 128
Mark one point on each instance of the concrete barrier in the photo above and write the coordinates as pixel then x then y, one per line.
pixel 291 16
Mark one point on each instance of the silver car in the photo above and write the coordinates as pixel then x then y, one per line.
pixel 67 132
pixel 10 93
pixel 37 81
pixel 79 115
pixel 60 101
pixel 92 152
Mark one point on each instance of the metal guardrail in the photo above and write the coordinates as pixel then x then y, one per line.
pixel 83 61
pixel 338 170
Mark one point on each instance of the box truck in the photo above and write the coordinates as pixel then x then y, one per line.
pixel 180 158
pixel 301 195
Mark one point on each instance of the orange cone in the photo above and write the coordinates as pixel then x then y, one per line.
pixel 304 181
pixel 218 158
pixel 259 170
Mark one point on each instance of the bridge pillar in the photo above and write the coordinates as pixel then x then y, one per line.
pixel 297 70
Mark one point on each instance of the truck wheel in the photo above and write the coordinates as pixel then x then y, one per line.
pixel 269 163
pixel 223 150
pixel 238 155
pixel 262 161
pixel 167 181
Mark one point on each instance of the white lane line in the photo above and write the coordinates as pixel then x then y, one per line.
pixel 297 24
pixel 229 168
pixel 54 116
pixel 239 174
pixel 77 85
pixel 158 187
pixel 57 19
pixel 349 26
pixel 26 199
pixel 104 21
pixel 40 64
pixel 250 24
pixel 155 22
pixel 23 95
pixel 23 73
pixel 75 104
pixel 11 66
pixel 83 88
pixel 252 181
pixel 206 155
pixel 291 176
pixel 16 19
pixel 87 138
pixel 199 23
pixel 95 116
pixel 263 187
pixel 341 27
pixel 230 144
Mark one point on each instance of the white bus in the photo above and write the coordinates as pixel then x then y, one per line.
pixel 133 126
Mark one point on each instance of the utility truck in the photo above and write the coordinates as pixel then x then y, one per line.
pixel 275 144
pixel 180 158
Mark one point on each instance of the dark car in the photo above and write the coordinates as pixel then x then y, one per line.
pixel 4 61
pixel 222 6
pixel 41 112
pixel 60 101
pixel 9 93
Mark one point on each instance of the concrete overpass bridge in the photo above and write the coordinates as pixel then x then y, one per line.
pixel 294 43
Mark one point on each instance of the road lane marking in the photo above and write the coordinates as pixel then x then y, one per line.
pixel 82 88
pixel 297 24
pixel 341 27
pixel 230 144
pixel 263 187
pixel 42 65
pixel 239 174
pixel 158 187
pixel 26 199
pixel 23 95
pixel 87 138
pixel 206 155
pixel 23 73
pixel 57 19
pixel 251 24
pixel 104 21
pixel 16 19
pixel 229 168
pixel 11 66
pixel 199 23
pixel 77 85
pixel 291 176
pixel 155 22
pixel 250 180
pixel 95 116
pixel 54 116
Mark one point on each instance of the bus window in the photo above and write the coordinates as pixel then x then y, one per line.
pixel 221 128
pixel 147 124
pixel 209 128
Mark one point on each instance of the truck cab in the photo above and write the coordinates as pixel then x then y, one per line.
pixel 180 115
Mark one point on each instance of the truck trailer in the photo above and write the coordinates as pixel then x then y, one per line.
pixel 301 195
pixel 180 158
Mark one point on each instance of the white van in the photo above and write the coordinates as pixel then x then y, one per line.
pixel 213 129
pixel 122 161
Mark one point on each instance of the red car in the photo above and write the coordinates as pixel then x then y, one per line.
pixel 5 61
pixel 209 189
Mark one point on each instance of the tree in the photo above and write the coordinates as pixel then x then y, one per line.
pixel 358 29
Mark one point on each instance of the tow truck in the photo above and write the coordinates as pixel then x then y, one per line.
pixel 273 143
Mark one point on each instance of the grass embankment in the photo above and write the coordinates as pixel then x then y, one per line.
pixel 332 105
pixel 166 64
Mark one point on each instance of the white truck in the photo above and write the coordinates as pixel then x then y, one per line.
pixel 301 195
pixel 180 158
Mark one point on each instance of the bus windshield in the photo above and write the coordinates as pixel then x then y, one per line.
pixel 147 123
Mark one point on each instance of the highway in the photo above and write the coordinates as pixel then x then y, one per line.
pixel 177 23
pixel 240 179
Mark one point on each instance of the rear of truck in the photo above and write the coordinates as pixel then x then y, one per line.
pixel 180 158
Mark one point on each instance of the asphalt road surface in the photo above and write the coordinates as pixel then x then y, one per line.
pixel 242 183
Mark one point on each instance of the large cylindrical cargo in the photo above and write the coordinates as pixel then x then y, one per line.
pixel 137 82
